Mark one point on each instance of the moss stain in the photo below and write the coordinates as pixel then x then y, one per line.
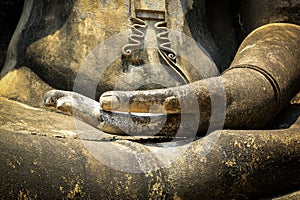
pixel 75 192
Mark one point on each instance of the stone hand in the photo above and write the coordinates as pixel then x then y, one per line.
pixel 156 112
pixel 78 105
pixel 61 100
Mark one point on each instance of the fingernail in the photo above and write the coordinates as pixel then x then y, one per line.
pixel 109 102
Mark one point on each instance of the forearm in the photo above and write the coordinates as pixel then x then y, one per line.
pixel 264 75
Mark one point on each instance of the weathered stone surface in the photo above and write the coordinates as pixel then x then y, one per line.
pixel 226 164
pixel 292 196
pixel 24 86
pixel 262 79
pixel 56 37
pixel 21 118
pixel 296 99
pixel 56 51
pixel 274 59
pixel 54 40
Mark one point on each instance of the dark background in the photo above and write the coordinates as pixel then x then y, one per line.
pixel 10 12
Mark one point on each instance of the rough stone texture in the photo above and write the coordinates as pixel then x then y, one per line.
pixel 226 164
pixel 262 79
pixel 55 38
pixel 57 50
pixel 292 196
pixel 243 164
pixel 24 86
pixel 272 51
pixel 21 118
pixel 296 99
pixel 56 46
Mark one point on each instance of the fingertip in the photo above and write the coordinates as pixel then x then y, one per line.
pixel 64 104
pixel 109 101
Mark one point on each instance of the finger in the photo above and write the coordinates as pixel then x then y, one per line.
pixel 152 125
pixel 64 104
pixel 51 97
pixel 139 101
pixel 175 100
